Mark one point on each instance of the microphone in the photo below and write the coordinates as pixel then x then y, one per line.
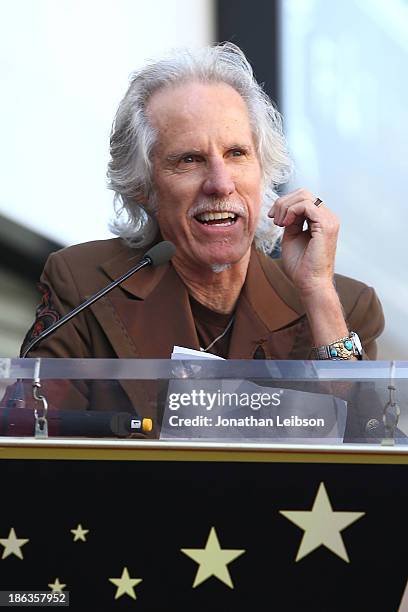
pixel 123 424
pixel 77 423
pixel 158 255
pixel 120 424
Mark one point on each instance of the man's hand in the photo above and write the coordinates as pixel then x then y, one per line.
pixel 307 255
pixel 308 258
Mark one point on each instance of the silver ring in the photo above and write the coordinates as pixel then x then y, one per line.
pixel 318 202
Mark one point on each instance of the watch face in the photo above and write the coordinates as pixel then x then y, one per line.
pixel 357 342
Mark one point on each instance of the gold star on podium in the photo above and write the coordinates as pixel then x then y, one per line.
pixel 125 584
pixel 213 560
pixel 403 607
pixel 79 533
pixel 12 545
pixel 322 526
pixel 57 587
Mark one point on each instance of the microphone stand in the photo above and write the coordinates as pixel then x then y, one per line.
pixel 157 255
pixel 146 261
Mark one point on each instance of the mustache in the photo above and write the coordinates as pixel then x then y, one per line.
pixel 212 205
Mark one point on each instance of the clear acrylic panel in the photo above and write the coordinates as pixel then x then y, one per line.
pixel 293 402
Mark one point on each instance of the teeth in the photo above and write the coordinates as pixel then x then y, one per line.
pixel 216 216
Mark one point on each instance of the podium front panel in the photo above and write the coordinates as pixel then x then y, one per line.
pixel 205 526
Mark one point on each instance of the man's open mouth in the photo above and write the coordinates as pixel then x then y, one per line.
pixel 217 218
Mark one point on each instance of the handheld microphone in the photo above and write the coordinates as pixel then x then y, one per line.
pixel 158 255
pixel 77 423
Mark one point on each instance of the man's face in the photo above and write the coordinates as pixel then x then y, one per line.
pixel 205 165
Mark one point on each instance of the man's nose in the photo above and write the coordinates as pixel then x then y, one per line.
pixel 219 180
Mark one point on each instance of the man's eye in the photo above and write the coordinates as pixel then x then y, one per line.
pixel 188 159
pixel 237 153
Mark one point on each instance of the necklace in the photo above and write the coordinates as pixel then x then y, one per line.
pixel 230 322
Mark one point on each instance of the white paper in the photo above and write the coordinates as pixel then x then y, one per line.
pixel 181 352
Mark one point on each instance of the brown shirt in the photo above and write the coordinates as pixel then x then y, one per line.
pixel 210 325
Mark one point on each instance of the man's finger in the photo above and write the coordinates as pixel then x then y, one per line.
pixel 297 213
pixel 281 204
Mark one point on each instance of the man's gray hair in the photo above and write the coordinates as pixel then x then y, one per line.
pixel 133 138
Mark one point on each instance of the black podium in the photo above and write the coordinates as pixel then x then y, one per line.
pixel 138 523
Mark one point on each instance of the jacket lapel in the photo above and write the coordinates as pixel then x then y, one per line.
pixel 145 317
pixel 263 318
pixel 149 314
pixel 161 320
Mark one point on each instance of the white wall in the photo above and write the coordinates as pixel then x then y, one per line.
pixel 346 116
pixel 64 66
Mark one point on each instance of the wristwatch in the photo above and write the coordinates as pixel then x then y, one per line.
pixel 345 348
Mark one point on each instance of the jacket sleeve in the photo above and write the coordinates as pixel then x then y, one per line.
pixel 366 318
pixel 59 295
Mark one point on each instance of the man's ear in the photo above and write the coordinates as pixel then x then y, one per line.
pixel 144 196
pixel 142 199
pixel 141 196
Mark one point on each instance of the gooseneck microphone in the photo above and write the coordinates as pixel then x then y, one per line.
pixel 89 423
pixel 158 255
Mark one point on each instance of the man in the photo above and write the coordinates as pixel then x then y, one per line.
pixel 196 152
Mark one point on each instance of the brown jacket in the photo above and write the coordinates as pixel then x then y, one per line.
pixel 150 313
